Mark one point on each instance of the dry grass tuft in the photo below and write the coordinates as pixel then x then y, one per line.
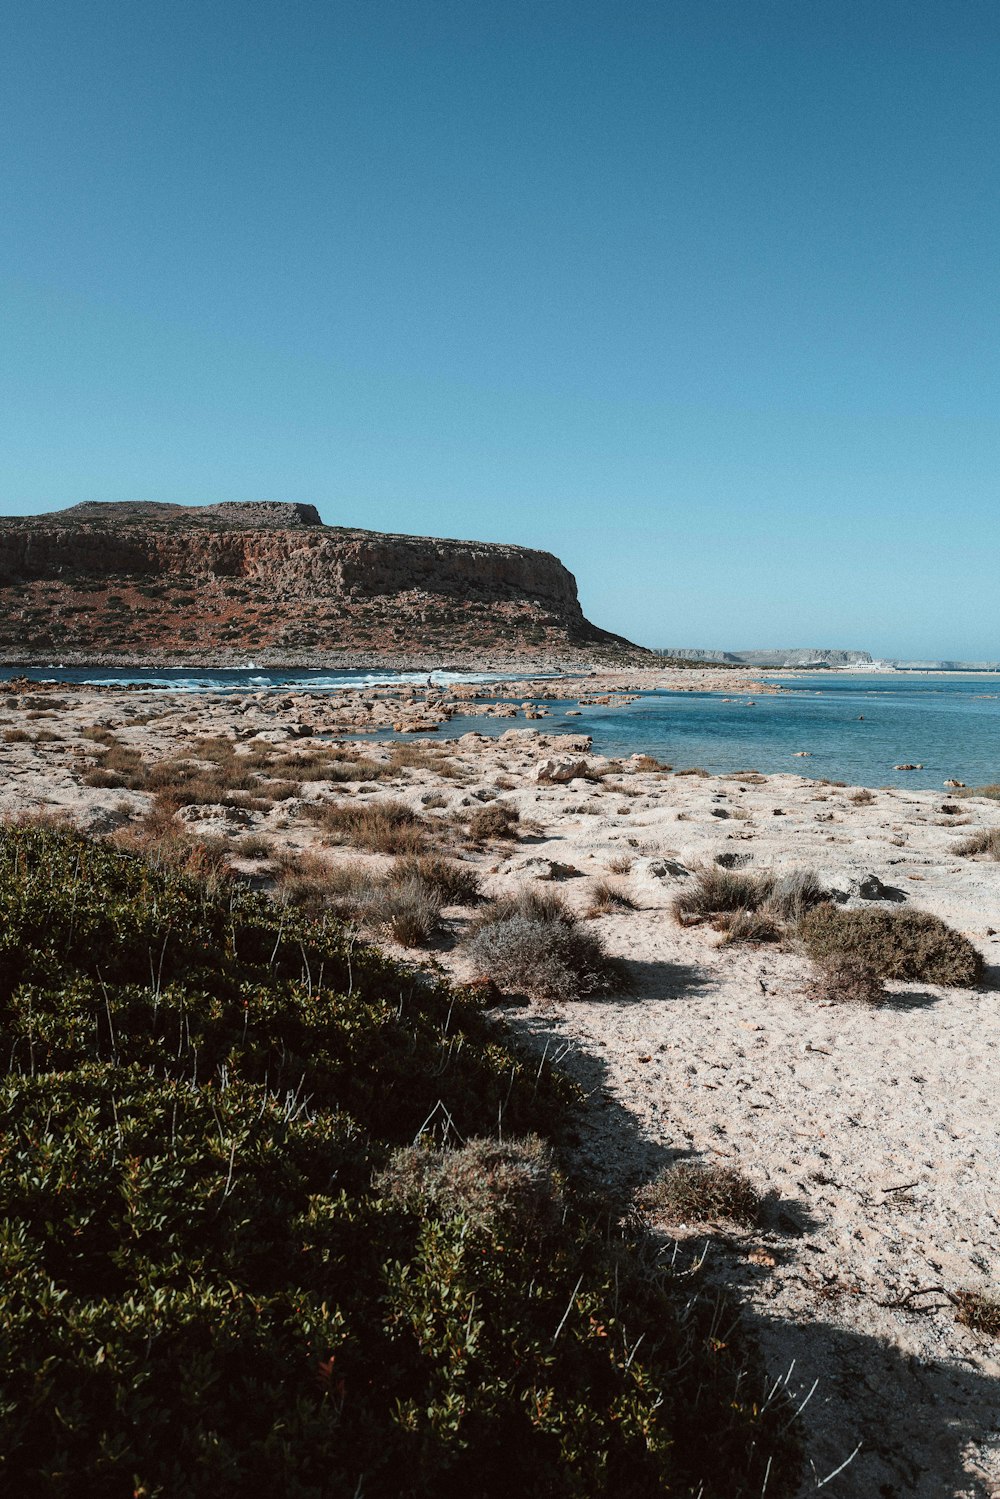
pixel 714 890
pixel 991 792
pixel 648 762
pixel 513 1185
pixel 757 907
pixel 691 1193
pixel 986 842
pixel 455 884
pixel 313 885
pixel 980 1312
pixel 384 827
pixel 158 837
pixel 620 864
pixel 607 897
pixel 793 894
pixel 409 910
pixel 750 927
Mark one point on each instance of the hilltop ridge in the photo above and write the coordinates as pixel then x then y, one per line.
pixel 158 583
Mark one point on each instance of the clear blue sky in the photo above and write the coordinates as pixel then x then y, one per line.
pixel 700 296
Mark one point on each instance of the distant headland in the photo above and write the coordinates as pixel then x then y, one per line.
pixel 807 658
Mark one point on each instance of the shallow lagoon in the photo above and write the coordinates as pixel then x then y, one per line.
pixel 854 728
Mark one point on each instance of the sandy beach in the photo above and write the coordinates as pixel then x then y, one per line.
pixel 873 1130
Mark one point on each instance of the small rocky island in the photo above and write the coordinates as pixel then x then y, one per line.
pixel 153 584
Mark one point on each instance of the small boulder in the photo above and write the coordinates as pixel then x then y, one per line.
pixel 561 771
pixel 868 887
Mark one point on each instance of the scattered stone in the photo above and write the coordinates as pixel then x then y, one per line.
pixel 538 868
pixel 661 869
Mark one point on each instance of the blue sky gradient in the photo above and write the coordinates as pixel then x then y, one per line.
pixel 700 296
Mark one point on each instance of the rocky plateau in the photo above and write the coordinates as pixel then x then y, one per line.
pixel 223 584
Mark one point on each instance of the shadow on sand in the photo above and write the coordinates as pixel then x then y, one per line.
pixel 920 1425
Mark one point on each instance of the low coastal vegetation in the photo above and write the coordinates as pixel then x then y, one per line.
pixel 991 792
pixel 607 897
pixel 897 944
pixel 694 1193
pixel 496 820
pixel 532 943
pixel 846 978
pixel 282 1216
pixel 761 906
pixel 854 950
pixel 979 1311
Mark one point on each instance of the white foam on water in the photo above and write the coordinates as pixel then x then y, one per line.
pixel 239 679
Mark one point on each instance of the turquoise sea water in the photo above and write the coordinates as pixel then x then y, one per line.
pixel 856 728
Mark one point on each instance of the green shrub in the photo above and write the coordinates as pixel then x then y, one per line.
pixel 893 944
pixel 221 1277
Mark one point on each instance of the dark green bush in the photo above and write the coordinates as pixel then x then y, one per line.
pixel 226 1272
pixel 897 944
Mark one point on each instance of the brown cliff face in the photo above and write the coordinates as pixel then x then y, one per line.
pixel 216 583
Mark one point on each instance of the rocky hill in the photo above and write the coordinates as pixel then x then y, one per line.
pixel 218 584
